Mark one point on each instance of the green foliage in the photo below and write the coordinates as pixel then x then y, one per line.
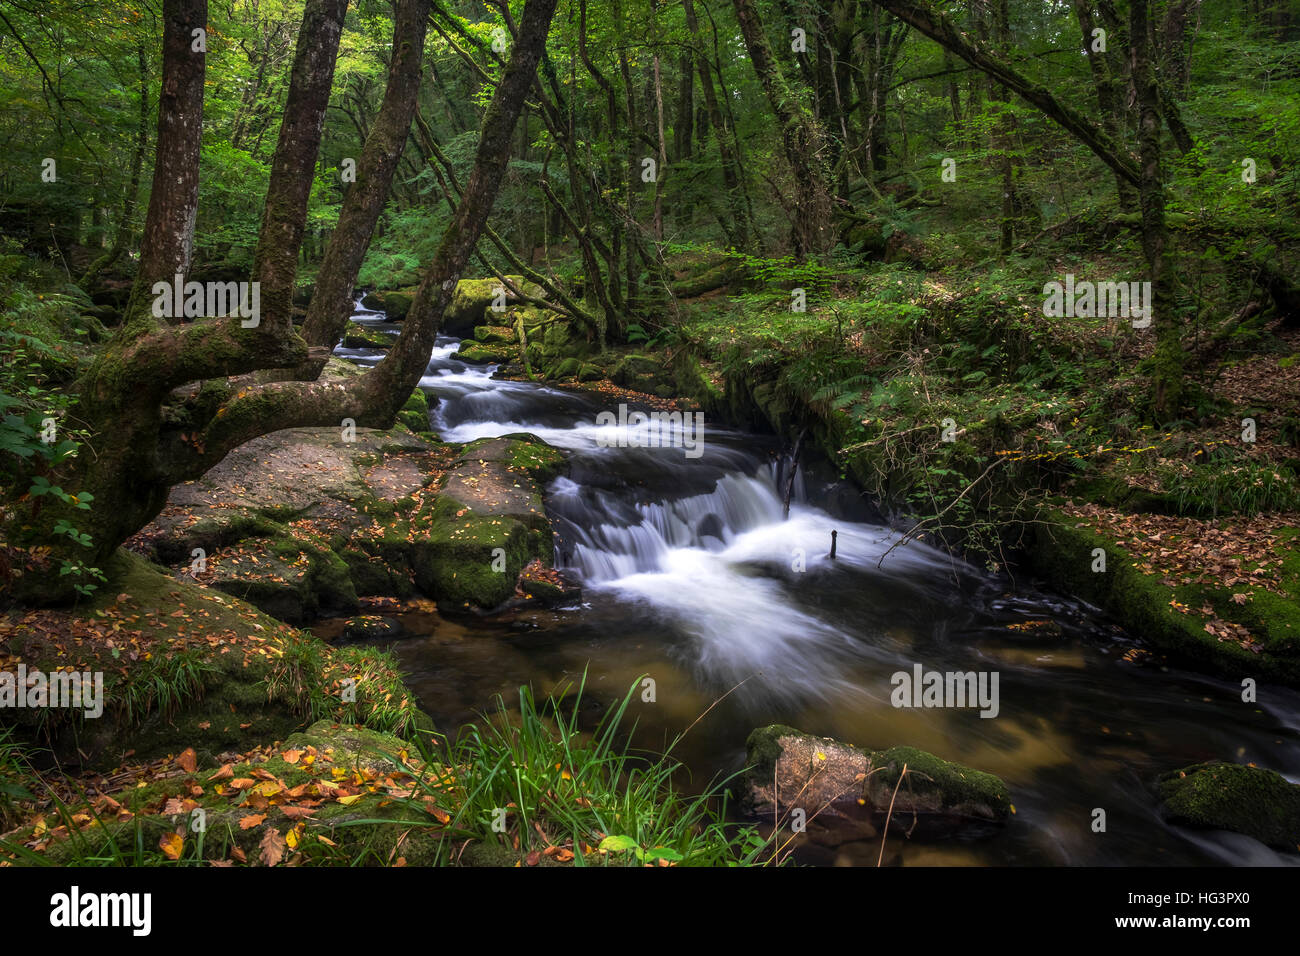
pixel 540 765
pixel 1221 487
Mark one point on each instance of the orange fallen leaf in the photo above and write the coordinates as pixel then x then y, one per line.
pixel 252 820
pixel 171 845
pixel 187 760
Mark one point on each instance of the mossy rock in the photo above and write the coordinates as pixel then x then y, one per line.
pixel 471 558
pixel 481 354
pixel 590 373
pixel 472 299
pixel 1225 796
pixel 396 306
pixel 643 373
pixel 1062 553
pixel 494 333
pixel 520 452
pixel 374 829
pixel 294 578
pixel 415 413
pixel 356 336
pixel 853 789
pixel 378 569
pixel 232 699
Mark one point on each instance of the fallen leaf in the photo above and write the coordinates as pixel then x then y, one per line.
pixel 272 847
pixel 171 845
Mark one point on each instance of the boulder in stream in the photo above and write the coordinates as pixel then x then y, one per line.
pixel 1227 796
pixel 845 792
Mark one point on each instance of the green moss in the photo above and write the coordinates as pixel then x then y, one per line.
pixel 536 459
pixel 1063 554
pixel 1249 800
pixel 495 334
pixel 396 306
pixel 359 337
pixel 959 785
pixel 415 413
pixel 764 748
pixel 480 353
pixel 455 562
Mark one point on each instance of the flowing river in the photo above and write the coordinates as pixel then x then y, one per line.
pixel 693 576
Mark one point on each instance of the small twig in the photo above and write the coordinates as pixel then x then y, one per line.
pixel 917 527
pixel 884 834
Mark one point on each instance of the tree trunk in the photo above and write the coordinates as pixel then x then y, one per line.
pixel 801 138
pixel 275 263
pixel 336 279
pixel 1168 358
pixel 168 239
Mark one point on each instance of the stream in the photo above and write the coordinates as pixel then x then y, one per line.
pixel 692 575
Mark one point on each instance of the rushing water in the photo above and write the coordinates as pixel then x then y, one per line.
pixel 693 575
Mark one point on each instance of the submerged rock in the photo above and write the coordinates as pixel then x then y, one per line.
pixel 372 627
pixel 845 792
pixel 1228 796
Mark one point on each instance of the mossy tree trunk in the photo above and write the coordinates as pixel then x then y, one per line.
pixel 801 138
pixel 336 279
pixel 1168 360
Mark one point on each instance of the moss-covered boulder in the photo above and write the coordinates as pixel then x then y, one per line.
pixel 356 336
pixel 846 792
pixel 469 305
pixel 1227 796
pixel 200 669
pixel 268 517
pixel 295 578
pixel 396 306
pixel 487 525
pixel 643 373
pixel 482 353
pixel 1063 551
pixel 415 413
pixel 494 333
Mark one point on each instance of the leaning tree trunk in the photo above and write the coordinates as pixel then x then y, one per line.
pixel 928 20
pixel 335 280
